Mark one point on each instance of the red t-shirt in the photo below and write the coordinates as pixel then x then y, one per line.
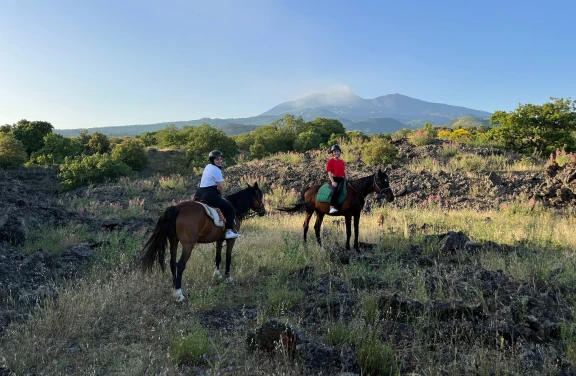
pixel 337 167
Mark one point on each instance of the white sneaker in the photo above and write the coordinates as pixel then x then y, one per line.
pixel 333 210
pixel 230 234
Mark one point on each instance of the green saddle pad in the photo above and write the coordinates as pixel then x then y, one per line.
pixel 324 194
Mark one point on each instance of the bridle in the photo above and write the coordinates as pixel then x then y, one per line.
pixel 380 190
pixel 260 210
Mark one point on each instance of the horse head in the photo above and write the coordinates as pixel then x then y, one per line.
pixel 257 200
pixel 382 185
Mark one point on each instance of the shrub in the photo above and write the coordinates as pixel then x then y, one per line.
pixel 420 137
pixel 132 152
pixel 379 151
pixel 91 169
pixel 99 143
pixel 56 148
pixel 469 162
pixel 449 149
pixel 460 134
pixel 12 151
pixel 444 133
pixel 192 347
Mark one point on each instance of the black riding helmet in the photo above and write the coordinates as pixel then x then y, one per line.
pixel 214 154
pixel 335 147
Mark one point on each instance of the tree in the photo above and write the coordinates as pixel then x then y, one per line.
pixel 91 169
pixel 31 134
pixel 172 137
pixel 84 138
pixel 56 148
pixel 307 141
pixel 378 151
pixel 149 138
pixel 6 128
pixel 205 138
pixel 12 151
pixel 99 143
pixel 542 128
pixel 132 152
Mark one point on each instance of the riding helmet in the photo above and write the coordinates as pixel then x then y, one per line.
pixel 214 154
pixel 335 147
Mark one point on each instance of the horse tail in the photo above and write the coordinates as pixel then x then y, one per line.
pixel 155 247
pixel 298 206
pixel 293 209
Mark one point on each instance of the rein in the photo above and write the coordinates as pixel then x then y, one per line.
pixel 375 184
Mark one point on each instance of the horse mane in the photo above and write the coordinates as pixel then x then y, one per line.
pixel 242 200
pixel 361 184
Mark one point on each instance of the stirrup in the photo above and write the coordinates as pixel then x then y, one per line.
pixel 333 210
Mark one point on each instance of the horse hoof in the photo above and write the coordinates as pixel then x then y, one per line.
pixel 178 295
pixel 229 279
pixel 217 274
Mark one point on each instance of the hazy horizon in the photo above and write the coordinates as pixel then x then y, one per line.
pixel 99 64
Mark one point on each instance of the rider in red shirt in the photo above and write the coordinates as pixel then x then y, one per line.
pixel 337 173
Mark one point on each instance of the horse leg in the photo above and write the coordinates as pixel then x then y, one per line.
pixel 306 223
pixel 173 255
pixel 356 227
pixel 217 273
pixel 317 225
pixel 229 245
pixel 348 220
pixel 186 251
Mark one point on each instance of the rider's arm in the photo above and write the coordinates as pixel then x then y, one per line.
pixel 220 186
pixel 331 176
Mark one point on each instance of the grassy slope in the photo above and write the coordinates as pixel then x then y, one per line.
pixel 118 321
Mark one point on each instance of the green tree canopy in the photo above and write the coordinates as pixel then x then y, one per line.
pixel 543 128
pixel 172 137
pixel 99 143
pixel 91 169
pixel 148 138
pixel 205 138
pixel 31 134
pixel 132 152
pixel 12 151
pixel 55 149
pixel 307 141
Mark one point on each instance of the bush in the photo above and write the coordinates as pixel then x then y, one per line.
pixel 91 169
pixel 379 151
pixel 99 143
pixel 421 137
pixel 12 151
pixel 132 152
pixel 56 148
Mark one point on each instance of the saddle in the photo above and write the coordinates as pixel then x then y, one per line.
pixel 214 213
pixel 324 193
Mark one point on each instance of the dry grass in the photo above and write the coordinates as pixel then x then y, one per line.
pixel 117 321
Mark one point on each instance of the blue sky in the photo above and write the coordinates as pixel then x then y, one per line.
pixel 81 64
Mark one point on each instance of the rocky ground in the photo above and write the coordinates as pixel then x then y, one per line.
pixel 517 311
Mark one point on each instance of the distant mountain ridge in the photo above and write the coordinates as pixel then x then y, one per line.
pixel 384 114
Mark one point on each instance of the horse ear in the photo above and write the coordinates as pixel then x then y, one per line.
pixel 379 171
pixel 255 184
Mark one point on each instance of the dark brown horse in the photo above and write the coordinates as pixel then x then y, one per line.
pixel 351 207
pixel 189 224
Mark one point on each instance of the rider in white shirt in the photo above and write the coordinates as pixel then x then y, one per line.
pixel 212 191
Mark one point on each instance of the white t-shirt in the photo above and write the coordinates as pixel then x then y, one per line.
pixel 211 175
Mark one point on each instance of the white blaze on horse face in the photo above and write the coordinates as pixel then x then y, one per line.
pixel 178 295
pixel 217 274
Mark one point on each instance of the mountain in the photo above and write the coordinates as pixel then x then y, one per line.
pixel 384 114
pixel 396 106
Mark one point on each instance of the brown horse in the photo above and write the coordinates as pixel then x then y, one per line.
pixel 188 224
pixel 351 207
